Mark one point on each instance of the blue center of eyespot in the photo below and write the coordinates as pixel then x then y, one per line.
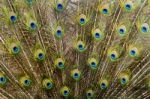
pixel 13 18
pixel 59 32
pixel 65 92
pixel 132 52
pixel 27 82
pixel 82 20
pixel 60 64
pixel 128 6
pixel 103 85
pixel 89 94
pixel 29 1
pixel 2 80
pixel 121 31
pixel 33 25
pixel 76 75
pixel 123 80
pixel 144 29
pixel 41 55
pixel 93 64
pixel 49 85
pixel 59 6
pixel 15 49
pixel 113 56
pixel 80 46
pixel 105 11
pixel 97 35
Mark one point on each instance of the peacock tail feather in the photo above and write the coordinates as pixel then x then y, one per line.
pixel 74 49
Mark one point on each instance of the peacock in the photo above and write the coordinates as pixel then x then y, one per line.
pixel 74 49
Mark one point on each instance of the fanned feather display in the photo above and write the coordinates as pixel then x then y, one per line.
pixel 74 49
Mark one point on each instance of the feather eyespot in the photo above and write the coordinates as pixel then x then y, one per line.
pixel 82 19
pixel 15 49
pixel 47 84
pixel 80 46
pixel 59 6
pixel 65 91
pixel 13 18
pixel 121 30
pixel 76 74
pixel 103 84
pixel 144 28
pixel 39 55
pixel 104 9
pixel 128 6
pixel 33 25
pixel 3 79
pixel 89 94
pixel 59 32
pixel 59 63
pixel 97 34
pixel 133 52
pixel 113 55
pixel 124 79
pixel 25 81
pixel 92 62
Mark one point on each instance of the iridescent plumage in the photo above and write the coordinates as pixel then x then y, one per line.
pixel 82 49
